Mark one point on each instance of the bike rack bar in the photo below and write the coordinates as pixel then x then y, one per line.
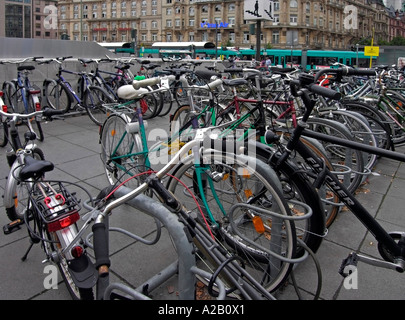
pixel 186 258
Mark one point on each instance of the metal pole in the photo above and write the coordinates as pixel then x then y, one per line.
pixel 258 34
pixel 216 40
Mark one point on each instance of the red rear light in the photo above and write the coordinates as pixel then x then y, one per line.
pixel 64 222
pixel 37 106
pixel 77 251
pixel 4 108
pixel 1 93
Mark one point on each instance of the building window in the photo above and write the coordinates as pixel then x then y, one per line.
pixel 275 37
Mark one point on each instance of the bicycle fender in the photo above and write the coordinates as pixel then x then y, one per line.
pixel 83 272
pixel 11 185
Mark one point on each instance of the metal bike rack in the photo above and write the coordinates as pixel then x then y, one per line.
pixel 185 267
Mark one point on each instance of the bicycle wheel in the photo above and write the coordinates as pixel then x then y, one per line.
pixel 150 106
pixel 362 133
pixel 19 192
pixel 297 186
pixel 93 100
pixel 10 98
pixel 57 95
pixel 3 133
pixel 240 199
pixel 348 163
pixel 32 101
pixel 120 151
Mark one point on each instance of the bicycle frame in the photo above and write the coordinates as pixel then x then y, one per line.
pixel 383 237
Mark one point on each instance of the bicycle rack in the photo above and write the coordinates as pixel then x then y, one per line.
pixel 184 267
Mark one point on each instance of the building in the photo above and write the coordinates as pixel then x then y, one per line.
pixel 28 19
pixel 315 24
pixel 110 21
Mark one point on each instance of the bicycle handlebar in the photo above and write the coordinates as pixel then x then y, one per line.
pixel 48 113
pixel 346 71
pixel 296 85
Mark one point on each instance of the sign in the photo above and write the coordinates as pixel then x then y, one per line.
pixel 214 25
pixel 258 10
pixel 371 51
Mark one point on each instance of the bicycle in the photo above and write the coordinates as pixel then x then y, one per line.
pixel 59 94
pixel 391 245
pixel 125 159
pixel 48 209
pixel 20 95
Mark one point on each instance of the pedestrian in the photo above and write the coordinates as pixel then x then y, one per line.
pixel 268 63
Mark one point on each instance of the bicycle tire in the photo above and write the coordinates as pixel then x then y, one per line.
pixel 116 144
pixel 377 123
pixel 340 156
pixel 3 134
pixel 57 95
pixel 361 131
pixel 237 230
pixel 166 105
pixel 9 89
pixel 296 185
pixel 93 100
pixel 19 192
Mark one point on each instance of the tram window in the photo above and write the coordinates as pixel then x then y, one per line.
pixel 348 62
pixel 315 61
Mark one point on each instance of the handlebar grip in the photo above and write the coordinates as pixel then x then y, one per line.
pixel 145 83
pixel 359 72
pixel 325 92
pixel 51 112
pixel 233 70
pixel 100 245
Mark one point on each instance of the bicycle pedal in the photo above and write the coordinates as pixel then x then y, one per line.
pixel 351 260
pixel 13 226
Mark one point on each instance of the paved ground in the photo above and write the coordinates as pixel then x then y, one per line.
pixel 73 146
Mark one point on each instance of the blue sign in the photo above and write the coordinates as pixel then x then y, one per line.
pixel 214 25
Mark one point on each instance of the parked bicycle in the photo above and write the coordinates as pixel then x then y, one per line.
pixel 20 94
pixel 391 245
pixel 48 209
pixel 60 94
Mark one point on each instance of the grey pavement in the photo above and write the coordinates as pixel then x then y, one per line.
pixel 72 145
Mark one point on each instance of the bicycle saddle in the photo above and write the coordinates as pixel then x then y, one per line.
pixel 127 92
pixel 35 168
pixel 21 68
pixel 234 82
pixel 207 74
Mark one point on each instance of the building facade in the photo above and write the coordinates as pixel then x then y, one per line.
pixel 314 24
pixel 28 19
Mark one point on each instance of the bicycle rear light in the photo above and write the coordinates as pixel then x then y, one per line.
pixel 64 222
pixel 77 251
pixel 37 106
pixel 4 108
